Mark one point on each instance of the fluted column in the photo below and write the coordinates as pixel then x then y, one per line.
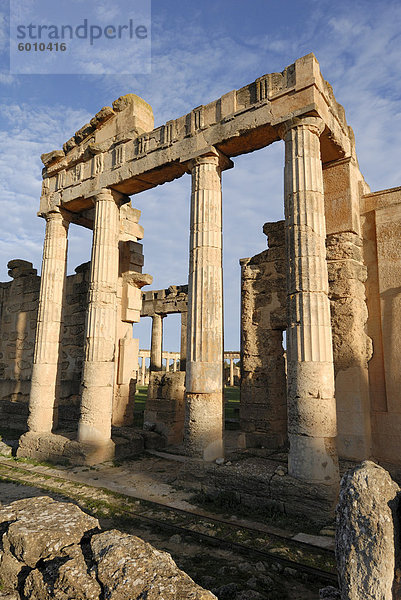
pixel 98 369
pixel 311 403
pixel 183 345
pixel 156 343
pixel 143 371
pixel 167 363
pixel 45 376
pixel 231 372
pixel 175 365
pixel 203 434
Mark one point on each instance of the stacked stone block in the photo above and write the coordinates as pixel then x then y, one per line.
pixel 263 407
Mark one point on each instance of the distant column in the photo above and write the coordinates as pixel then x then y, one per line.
pixel 98 369
pixel 143 370
pixel 167 362
pixel 156 344
pixel 48 330
pixel 231 372
pixel 174 365
pixel 203 436
pixel 311 403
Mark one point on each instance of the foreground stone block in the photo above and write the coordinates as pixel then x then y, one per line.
pixel 367 531
pixel 54 550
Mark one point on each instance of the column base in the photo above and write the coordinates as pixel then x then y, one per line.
pixel 63 449
pixel 203 434
pixel 313 459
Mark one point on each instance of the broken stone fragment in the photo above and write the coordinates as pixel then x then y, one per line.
pixel 83 133
pixel 138 280
pixel 50 157
pixel 103 115
pixel 69 145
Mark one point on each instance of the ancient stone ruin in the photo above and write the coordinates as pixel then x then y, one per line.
pixel 330 279
pixel 41 560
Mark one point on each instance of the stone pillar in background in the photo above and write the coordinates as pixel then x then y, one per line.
pixel 42 402
pixel 143 371
pixel 156 343
pixel 175 365
pixel 311 404
pixel 203 436
pixel 231 372
pixel 183 346
pixel 98 369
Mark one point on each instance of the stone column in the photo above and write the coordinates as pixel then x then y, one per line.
pixel 156 344
pixel 44 384
pixel 231 372
pixel 203 436
pixel 174 365
pixel 311 404
pixel 167 363
pixel 143 370
pixel 183 346
pixel 100 336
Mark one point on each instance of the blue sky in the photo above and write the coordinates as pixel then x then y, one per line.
pixel 201 50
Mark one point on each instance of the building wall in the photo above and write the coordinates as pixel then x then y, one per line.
pixel 381 212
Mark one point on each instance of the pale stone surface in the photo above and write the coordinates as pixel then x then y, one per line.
pixel 98 369
pixel 156 347
pixel 311 404
pixel 204 369
pixel 367 534
pixel 53 550
pixel 44 384
pixel 263 407
pixel 165 405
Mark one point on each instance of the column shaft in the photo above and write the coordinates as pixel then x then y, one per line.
pixel 156 344
pixel 100 336
pixel 231 372
pixel 204 368
pixel 143 371
pixel 48 331
pixel 311 403
pixel 183 346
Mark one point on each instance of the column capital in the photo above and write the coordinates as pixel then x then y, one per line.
pixel 209 155
pixel 57 214
pixel 314 124
pixel 108 195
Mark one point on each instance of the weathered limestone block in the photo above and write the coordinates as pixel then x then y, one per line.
pixel 352 348
pixel 130 568
pixel 165 405
pixel 63 577
pixel 53 550
pixel 367 536
pixel 263 407
pixel 33 532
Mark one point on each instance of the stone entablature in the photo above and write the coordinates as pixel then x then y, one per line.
pixel 120 148
pixel 171 300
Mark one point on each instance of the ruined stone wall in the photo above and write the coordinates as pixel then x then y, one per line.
pixel 382 248
pixel 343 188
pixel 165 405
pixel 263 407
pixel 18 314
